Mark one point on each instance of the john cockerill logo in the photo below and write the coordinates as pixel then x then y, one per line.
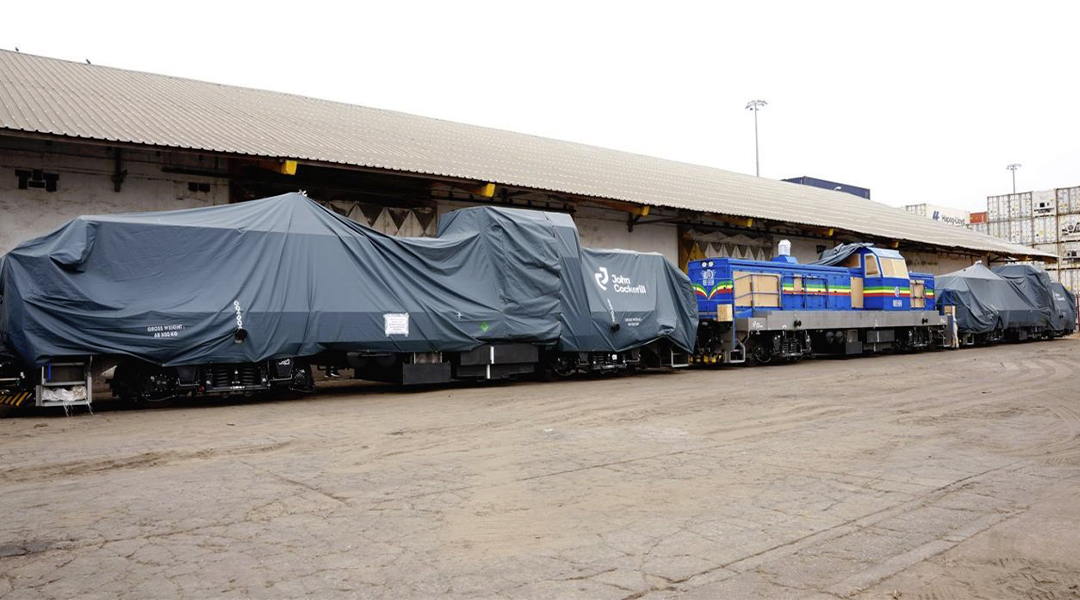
pixel 620 283
pixel 602 278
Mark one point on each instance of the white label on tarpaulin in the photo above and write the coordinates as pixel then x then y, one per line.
pixel 396 323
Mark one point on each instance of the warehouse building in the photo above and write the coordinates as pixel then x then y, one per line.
pixel 81 139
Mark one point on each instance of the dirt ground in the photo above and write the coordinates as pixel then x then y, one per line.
pixel 938 475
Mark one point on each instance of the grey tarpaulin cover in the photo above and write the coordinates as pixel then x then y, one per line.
pixel 985 301
pixel 837 255
pixel 174 287
pixel 1034 285
pixel 1065 304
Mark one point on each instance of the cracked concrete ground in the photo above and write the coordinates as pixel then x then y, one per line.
pixel 938 475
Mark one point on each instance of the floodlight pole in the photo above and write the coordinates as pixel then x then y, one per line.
pixel 1013 167
pixel 755 105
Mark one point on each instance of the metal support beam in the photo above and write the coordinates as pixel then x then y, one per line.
pixel 119 172
pixel 635 216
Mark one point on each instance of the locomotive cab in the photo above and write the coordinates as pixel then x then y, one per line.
pixel 881 275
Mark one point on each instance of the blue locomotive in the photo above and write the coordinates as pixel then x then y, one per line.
pixel 857 299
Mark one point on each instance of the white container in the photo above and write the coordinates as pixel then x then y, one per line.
pixel 1038 230
pixel 1070 278
pixel 1068 227
pixel 1043 203
pixel 918 209
pixel 1063 198
pixel 1015 232
pixel 1051 248
pixel 1070 253
pixel 1026 235
pixel 993 208
pixel 1025 205
pixel 1074 199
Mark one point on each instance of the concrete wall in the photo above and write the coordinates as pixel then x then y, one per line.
pixel 804 249
pixel 612 233
pixel 85 186
pixel 938 264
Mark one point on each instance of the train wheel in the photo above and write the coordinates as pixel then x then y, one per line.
pixel 137 386
pixel 758 352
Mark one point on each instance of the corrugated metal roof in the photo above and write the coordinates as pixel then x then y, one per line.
pixel 51 96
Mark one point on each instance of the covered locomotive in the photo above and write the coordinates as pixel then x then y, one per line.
pixel 1007 303
pixel 248 297
pixel 857 299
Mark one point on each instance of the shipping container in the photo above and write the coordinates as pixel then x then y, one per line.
pixel 1003 208
pixel 1051 248
pixel 1068 227
pixel 1070 278
pixel 1025 205
pixel 1014 206
pixel 1074 199
pixel 1026 236
pixel 944 214
pixel 1063 201
pixel 1043 203
pixel 1070 252
pixel 1016 231
pixel 977 217
pixel 1045 231
pixel 993 209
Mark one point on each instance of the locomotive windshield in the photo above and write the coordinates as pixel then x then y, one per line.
pixel 894 267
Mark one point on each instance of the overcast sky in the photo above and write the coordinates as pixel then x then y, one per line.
pixel 918 101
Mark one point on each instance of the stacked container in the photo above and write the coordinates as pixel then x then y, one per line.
pixel 1048 220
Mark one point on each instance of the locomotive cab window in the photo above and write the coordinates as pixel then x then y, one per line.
pixel 872 269
pixel 894 267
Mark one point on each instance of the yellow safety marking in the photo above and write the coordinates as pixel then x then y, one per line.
pixel 486 190
pixel 14 399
